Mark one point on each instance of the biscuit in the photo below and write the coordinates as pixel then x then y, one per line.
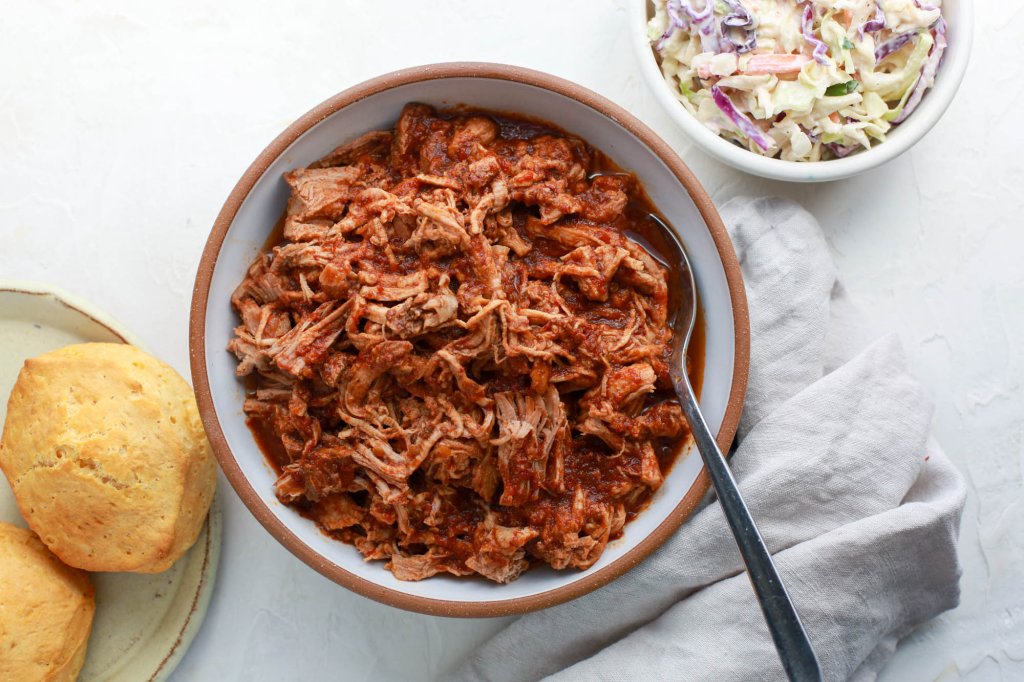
pixel 107 457
pixel 46 611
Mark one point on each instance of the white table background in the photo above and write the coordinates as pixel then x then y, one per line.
pixel 124 124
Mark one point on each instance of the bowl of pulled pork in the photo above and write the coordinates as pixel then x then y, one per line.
pixel 430 334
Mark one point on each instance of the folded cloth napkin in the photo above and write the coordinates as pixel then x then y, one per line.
pixel 861 514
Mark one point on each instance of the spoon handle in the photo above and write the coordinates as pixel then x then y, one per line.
pixel 787 631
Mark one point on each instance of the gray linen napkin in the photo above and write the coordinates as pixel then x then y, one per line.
pixel 861 514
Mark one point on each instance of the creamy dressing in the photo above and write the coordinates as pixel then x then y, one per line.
pixel 797 80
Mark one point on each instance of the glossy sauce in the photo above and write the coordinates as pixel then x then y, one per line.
pixel 582 465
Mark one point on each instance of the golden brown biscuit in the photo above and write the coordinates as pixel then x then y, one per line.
pixel 46 611
pixel 107 457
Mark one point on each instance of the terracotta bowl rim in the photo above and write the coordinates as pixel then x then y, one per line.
pixel 267 517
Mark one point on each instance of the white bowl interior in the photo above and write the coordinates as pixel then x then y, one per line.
pixel 264 205
pixel 960 19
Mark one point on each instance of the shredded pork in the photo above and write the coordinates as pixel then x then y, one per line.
pixel 458 358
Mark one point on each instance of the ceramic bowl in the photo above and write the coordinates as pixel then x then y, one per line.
pixel 959 15
pixel 258 201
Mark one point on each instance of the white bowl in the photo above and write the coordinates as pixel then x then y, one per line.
pixel 959 16
pixel 258 201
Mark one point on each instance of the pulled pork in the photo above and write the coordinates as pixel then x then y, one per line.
pixel 457 356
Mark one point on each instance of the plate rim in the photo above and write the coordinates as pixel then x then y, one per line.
pixel 72 302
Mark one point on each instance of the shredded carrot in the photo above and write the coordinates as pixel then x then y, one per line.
pixel 776 63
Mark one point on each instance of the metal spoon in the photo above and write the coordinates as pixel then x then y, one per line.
pixel 787 631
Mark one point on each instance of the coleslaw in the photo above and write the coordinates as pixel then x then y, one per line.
pixel 800 80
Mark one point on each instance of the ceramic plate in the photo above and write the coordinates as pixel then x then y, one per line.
pixel 144 623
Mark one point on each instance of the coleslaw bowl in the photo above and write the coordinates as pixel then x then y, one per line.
pixel 960 20
pixel 257 202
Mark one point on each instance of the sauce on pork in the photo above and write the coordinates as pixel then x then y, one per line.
pixel 456 347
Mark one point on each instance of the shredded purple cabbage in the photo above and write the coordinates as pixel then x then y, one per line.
pixel 893 44
pixel 676 20
pixel 927 77
pixel 744 124
pixel 842 151
pixel 876 23
pixel 820 48
pixel 704 20
pixel 740 21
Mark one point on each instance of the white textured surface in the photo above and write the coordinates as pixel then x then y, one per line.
pixel 123 126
